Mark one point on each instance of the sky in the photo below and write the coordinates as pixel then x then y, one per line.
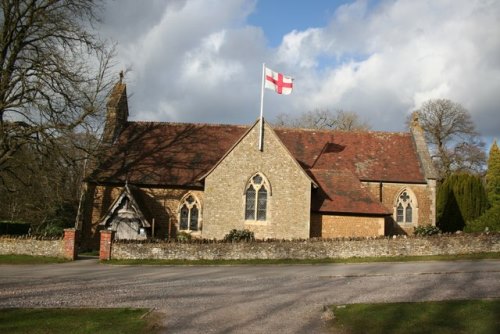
pixel 201 60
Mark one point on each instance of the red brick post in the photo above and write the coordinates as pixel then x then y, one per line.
pixel 70 239
pixel 105 245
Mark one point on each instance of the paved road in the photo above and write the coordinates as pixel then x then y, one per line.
pixel 243 299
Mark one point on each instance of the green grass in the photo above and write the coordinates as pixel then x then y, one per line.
pixel 75 321
pixel 478 256
pixel 466 316
pixel 29 259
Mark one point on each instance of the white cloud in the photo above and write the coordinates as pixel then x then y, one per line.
pixel 403 53
pixel 198 60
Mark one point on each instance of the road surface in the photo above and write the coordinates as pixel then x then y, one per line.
pixel 243 299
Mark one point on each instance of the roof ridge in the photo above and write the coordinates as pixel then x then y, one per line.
pixel 278 128
pixel 188 123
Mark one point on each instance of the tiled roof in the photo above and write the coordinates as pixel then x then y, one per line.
pixel 178 154
pixel 166 154
pixel 370 155
pixel 341 191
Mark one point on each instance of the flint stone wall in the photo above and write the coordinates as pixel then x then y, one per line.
pixel 32 246
pixel 310 249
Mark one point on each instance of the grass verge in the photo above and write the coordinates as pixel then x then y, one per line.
pixel 29 259
pixel 478 256
pixel 76 321
pixel 464 316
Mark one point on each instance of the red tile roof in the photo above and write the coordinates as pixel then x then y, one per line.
pixel 166 154
pixel 177 154
pixel 341 191
pixel 370 155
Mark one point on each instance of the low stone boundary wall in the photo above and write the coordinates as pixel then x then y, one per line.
pixel 25 245
pixel 309 249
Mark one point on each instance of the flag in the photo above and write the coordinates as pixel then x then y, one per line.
pixel 278 82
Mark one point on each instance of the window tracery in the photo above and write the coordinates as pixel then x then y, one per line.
pixel 256 198
pixel 189 214
pixel 405 207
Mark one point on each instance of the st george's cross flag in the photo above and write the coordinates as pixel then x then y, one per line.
pixel 278 82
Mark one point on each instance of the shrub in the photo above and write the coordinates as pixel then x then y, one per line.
pixel 489 221
pixel 183 236
pixel 239 235
pixel 461 198
pixel 426 230
pixel 14 228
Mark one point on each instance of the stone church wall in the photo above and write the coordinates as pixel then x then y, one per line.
pixel 289 196
pixel 425 196
pixel 337 226
pixel 161 203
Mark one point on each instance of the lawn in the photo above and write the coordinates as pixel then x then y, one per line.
pixel 477 256
pixel 76 321
pixel 29 259
pixel 464 316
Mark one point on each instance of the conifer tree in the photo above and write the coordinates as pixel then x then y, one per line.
pixel 493 175
pixel 460 199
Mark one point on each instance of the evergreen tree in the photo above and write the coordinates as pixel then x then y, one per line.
pixel 460 199
pixel 493 175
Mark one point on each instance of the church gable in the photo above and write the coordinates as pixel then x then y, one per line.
pixel 246 178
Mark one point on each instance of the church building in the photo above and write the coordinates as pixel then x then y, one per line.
pixel 158 179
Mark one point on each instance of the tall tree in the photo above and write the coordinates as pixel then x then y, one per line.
pixel 323 119
pixel 53 77
pixel 451 133
pixel 493 175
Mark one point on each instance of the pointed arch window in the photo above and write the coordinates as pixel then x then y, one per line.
pixel 256 195
pixel 405 208
pixel 189 214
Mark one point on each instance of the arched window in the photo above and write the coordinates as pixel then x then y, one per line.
pixel 405 208
pixel 189 214
pixel 256 198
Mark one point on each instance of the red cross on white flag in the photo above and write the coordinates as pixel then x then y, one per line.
pixel 278 82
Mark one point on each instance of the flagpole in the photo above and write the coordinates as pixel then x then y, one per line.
pixel 261 125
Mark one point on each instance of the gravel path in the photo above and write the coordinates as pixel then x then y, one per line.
pixel 243 299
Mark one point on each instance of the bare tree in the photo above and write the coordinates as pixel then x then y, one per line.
pixel 323 119
pixel 451 133
pixel 54 74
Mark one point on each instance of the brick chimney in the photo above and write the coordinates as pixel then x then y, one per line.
pixel 117 112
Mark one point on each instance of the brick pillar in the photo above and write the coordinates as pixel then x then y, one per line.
pixel 105 245
pixel 70 239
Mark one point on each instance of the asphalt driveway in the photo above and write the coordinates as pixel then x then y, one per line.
pixel 243 299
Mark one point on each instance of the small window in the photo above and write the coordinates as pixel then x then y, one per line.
pixel 408 213
pixel 193 221
pixel 262 204
pixel 184 218
pixel 256 199
pixel 189 215
pixel 404 209
pixel 250 203
pixel 400 214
